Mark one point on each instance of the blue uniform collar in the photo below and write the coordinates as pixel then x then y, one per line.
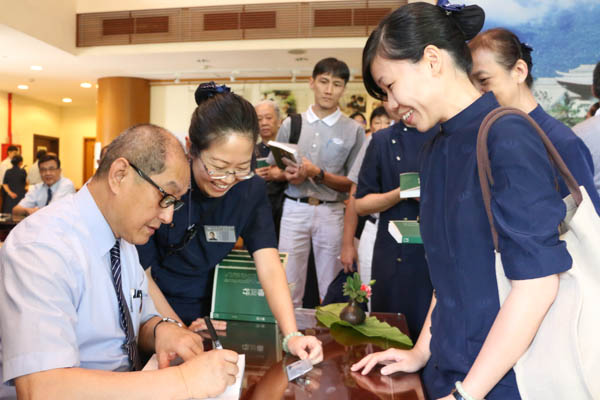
pixel 482 105
pixel 94 221
pixel 538 113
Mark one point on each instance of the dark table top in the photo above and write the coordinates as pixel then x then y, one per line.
pixel 265 378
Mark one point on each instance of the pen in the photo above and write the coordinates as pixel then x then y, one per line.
pixel 213 334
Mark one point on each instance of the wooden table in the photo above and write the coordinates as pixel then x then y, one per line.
pixel 265 378
pixel 7 222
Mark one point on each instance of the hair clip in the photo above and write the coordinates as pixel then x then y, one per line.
pixel 449 8
pixel 208 90
pixel 527 47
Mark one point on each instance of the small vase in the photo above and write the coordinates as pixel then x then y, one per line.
pixel 352 313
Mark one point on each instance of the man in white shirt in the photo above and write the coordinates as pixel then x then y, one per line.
pixel 74 303
pixel 52 188
pixel 5 165
pixel 33 175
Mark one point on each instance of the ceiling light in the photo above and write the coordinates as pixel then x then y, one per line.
pixel 23 87
pixel 86 85
pixel 67 100
pixel 36 67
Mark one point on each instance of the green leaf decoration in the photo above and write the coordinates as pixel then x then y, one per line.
pixel 372 328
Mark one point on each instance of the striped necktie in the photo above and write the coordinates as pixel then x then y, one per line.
pixel 126 322
pixel 49 198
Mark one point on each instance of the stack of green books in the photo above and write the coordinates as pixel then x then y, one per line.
pixel 405 231
pixel 237 293
pixel 410 185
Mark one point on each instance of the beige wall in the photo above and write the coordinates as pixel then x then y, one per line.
pixel 171 106
pixel 69 124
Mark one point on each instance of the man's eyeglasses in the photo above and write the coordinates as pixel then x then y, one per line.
pixel 168 199
pixel 219 174
pixel 51 169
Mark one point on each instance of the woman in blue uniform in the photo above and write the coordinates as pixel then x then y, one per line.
pixel 418 59
pixel 502 64
pixel 400 271
pixel 226 201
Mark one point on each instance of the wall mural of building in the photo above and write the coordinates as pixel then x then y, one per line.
pixel 565 36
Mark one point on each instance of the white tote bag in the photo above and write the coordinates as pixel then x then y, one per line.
pixel 563 361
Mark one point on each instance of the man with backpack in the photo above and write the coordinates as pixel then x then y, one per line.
pixel 313 210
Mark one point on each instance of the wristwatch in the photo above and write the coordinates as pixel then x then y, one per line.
pixel 320 176
pixel 166 319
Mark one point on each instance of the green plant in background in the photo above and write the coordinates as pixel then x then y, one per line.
pixel 356 290
pixel 567 111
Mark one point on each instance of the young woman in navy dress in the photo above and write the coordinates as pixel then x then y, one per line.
pixel 418 59
pixel 400 270
pixel 502 64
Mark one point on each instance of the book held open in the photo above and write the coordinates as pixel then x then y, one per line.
pixel 280 150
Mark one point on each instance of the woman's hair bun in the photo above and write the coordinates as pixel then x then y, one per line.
pixel 470 20
pixel 209 89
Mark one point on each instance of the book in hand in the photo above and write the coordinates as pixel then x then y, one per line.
pixel 405 231
pixel 280 150
pixel 262 162
pixel 410 185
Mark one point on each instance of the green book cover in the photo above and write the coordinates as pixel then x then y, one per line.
pixel 405 231
pixel 262 162
pixel 410 185
pixel 238 295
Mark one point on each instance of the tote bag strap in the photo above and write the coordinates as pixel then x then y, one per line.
pixel 485 171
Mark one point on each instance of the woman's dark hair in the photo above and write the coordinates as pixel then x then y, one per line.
pixel 596 81
pixel 507 48
pixel 358 114
pixel 378 112
pixel 219 114
pixel 16 160
pixel 404 34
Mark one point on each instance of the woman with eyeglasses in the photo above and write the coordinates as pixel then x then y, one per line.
pixel 225 201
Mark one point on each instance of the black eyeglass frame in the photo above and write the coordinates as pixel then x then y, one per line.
pixel 168 199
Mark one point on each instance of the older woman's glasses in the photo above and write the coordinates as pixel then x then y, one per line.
pixel 168 199
pixel 219 174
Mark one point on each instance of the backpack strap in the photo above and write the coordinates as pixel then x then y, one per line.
pixel 296 120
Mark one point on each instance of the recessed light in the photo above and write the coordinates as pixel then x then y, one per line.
pixel 86 85
pixel 297 51
pixel 36 68
pixel 23 87
pixel 67 100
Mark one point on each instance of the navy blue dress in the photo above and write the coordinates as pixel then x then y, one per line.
pixel 573 152
pixel 186 276
pixel 400 270
pixel 456 233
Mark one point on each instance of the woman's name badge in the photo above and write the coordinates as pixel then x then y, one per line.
pixel 220 234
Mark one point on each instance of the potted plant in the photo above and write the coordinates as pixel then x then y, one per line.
pixel 357 292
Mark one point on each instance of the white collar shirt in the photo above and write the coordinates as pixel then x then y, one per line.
pixel 58 304
pixel 37 195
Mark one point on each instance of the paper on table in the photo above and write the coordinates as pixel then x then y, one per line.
pixel 231 393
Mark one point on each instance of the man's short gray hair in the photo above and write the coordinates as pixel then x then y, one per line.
pixel 144 145
pixel 272 104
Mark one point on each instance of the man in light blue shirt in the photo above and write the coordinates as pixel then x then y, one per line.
pixel 589 130
pixel 74 302
pixel 52 188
